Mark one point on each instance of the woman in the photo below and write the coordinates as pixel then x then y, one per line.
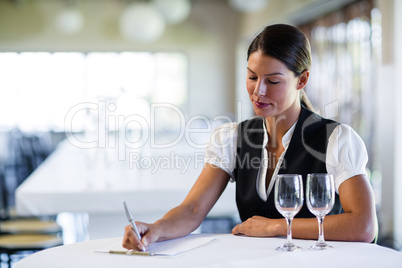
pixel 285 137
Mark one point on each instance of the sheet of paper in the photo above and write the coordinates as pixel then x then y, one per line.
pixel 170 247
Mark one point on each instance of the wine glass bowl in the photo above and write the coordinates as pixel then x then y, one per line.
pixel 288 201
pixel 320 198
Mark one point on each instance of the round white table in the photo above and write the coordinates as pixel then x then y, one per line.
pixel 225 251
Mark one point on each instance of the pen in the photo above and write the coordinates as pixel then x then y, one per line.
pixel 131 252
pixel 131 220
pixel 128 252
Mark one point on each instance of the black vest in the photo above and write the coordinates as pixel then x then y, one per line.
pixel 306 154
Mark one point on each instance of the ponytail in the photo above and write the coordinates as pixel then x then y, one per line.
pixel 304 100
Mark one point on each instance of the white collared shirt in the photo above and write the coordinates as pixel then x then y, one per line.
pixel 346 154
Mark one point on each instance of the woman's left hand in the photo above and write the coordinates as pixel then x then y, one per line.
pixel 259 226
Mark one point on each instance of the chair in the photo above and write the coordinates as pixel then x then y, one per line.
pixel 14 224
pixel 13 244
pixel 19 235
pixel 29 226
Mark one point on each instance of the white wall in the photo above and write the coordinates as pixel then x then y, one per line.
pixel 398 122
pixel 389 125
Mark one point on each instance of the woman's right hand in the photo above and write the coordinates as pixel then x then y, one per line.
pixel 186 217
pixel 148 232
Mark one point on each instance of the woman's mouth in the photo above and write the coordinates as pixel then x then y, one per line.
pixel 260 104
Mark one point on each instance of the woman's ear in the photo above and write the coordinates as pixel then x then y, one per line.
pixel 303 79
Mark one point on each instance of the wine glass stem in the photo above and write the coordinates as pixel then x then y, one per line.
pixel 289 230
pixel 320 229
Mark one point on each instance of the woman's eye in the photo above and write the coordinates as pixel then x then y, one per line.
pixel 252 78
pixel 273 82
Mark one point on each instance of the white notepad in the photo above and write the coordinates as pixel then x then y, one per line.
pixel 172 247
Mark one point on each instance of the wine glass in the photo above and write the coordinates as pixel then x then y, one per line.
pixel 288 201
pixel 320 195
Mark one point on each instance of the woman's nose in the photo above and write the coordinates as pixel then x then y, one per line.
pixel 260 89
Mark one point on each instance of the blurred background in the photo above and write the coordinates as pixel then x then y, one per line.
pixel 56 55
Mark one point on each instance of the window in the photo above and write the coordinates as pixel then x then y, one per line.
pixel 346 52
pixel 38 89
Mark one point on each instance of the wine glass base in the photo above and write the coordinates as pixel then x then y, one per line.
pixel 288 247
pixel 320 246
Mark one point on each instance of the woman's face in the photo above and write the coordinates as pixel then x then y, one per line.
pixel 272 87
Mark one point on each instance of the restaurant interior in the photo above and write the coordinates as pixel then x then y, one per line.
pixel 128 82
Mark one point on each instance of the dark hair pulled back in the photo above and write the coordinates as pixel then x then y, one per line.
pixel 287 44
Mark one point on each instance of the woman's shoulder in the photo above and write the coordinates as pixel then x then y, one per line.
pixel 229 131
pixel 234 124
pixel 345 131
pixel 227 125
pixel 224 133
pixel 344 143
pixel 255 122
pixel 254 119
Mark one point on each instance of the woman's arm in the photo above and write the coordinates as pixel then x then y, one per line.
pixel 358 223
pixel 186 217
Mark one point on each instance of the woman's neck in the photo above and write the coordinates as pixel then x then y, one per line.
pixel 277 126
